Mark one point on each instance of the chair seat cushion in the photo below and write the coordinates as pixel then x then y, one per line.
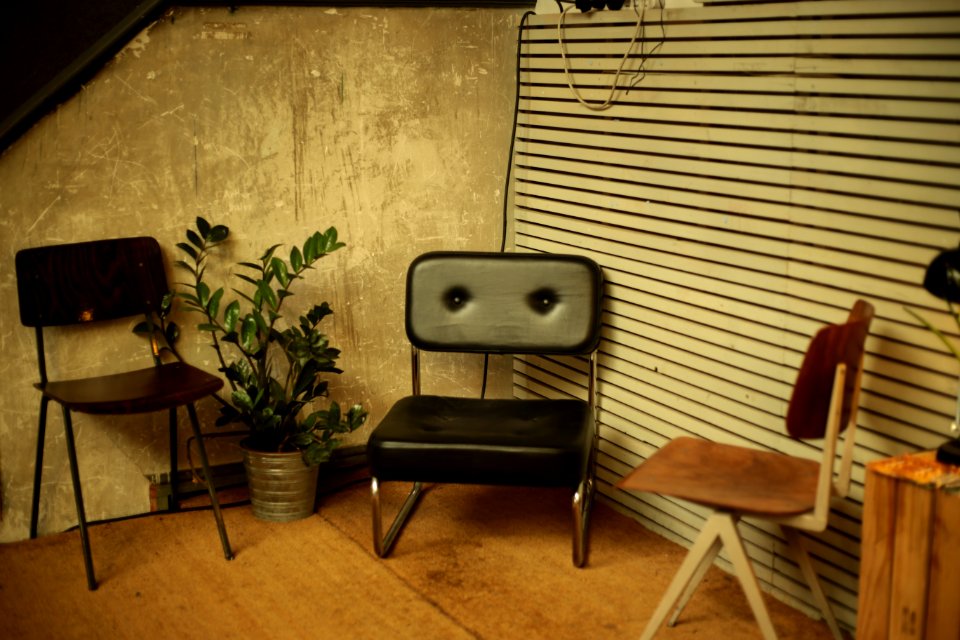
pixel 483 441
pixel 141 391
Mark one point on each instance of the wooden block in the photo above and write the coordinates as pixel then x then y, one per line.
pixel 943 603
pixel 911 558
pixel 879 509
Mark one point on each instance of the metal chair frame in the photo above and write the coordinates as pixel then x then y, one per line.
pixel 69 394
pixel 580 505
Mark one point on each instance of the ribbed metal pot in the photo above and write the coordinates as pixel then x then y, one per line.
pixel 282 487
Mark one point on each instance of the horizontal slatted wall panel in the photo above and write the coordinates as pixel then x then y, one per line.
pixel 769 164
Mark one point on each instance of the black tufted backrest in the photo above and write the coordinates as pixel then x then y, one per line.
pixel 504 302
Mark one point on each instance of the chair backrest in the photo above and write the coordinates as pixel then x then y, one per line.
pixel 810 404
pixel 504 303
pixel 89 281
pixel 825 400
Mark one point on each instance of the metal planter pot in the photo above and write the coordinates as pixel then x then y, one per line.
pixel 282 488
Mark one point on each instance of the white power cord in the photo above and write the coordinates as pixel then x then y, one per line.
pixel 606 104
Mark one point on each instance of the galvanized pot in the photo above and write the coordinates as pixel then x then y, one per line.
pixel 282 487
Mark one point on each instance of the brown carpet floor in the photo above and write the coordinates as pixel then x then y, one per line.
pixel 474 562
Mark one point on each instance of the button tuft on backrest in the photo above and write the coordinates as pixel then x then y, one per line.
pixel 543 300
pixel 455 298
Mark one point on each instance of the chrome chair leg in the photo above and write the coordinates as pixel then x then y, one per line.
pixel 582 501
pixel 382 545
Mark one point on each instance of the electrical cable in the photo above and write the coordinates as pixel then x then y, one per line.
pixel 606 104
pixel 641 73
pixel 509 174
pixel 637 75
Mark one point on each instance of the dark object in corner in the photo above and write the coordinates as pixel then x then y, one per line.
pixel 949 452
pixel 942 279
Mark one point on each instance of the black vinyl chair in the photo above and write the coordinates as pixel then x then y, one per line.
pixel 494 303
pixel 90 282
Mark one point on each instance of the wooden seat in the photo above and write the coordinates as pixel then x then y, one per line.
pixel 494 303
pixel 737 481
pixel 86 283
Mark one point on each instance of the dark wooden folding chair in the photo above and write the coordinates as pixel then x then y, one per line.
pixel 502 304
pixel 86 283
pixel 792 492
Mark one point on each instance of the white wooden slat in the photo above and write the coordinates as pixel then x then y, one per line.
pixel 905 188
pixel 717 194
pixel 747 44
pixel 704 294
pixel 769 64
pixel 676 237
pixel 802 88
pixel 643 94
pixel 848 126
pixel 832 19
pixel 932 151
pixel 908 242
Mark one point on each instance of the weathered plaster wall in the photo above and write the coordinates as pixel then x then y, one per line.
pixel 391 124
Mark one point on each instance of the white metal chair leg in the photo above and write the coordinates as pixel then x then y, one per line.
pixel 719 530
pixel 727 525
pixel 702 547
pixel 383 544
pixel 705 563
pixel 806 565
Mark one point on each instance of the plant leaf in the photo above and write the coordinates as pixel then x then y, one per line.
pixel 213 306
pixel 190 251
pixel 230 315
pixel 248 332
pixel 203 294
pixel 296 259
pixel 196 240
pixel 279 268
pixel 266 293
pixel 202 226
pixel 218 233
pixel 265 258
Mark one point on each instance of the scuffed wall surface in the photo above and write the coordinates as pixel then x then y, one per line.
pixel 391 124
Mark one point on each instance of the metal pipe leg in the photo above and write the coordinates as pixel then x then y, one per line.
pixel 78 498
pixel 208 479
pixel 38 467
pixel 582 500
pixel 382 545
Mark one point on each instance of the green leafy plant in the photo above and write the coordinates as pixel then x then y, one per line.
pixel 274 369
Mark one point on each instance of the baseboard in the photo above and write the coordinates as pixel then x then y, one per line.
pixel 346 466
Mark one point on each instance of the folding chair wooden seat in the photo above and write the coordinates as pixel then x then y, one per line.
pixel 499 303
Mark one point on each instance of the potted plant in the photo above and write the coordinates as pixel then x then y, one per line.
pixel 274 367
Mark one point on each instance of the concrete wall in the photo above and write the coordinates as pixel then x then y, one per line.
pixel 391 124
